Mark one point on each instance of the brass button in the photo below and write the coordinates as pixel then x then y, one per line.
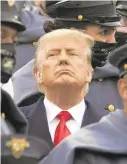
pixel 3 115
pixel 80 17
pixel 100 80
pixel 111 108
pixel 125 67
pixel 34 44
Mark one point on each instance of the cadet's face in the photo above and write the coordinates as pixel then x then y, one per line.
pixel 8 34
pixel 124 21
pixel 40 3
pixel 103 34
pixel 122 87
pixel 63 61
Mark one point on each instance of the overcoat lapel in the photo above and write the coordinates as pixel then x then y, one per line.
pixel 92 114
pixel 38 124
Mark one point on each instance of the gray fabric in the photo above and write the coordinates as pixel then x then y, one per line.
pixel 6 128
pixel 24 53
pixel 34 30
pixel 104 93
pixel 106 71
pixel 103 87
pixel 108 135
pixel 24 83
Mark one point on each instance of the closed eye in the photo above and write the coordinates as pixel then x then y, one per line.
pixel 73 54
pixel 52 55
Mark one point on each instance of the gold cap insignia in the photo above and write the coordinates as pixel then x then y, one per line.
pixel 125 67
pixel 11 2
pixel 111 108
pixel 80 17
pixel 18 146
pixel 34 44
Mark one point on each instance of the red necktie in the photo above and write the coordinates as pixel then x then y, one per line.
pixel 62 131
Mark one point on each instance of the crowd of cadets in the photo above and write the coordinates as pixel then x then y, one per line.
pixel 24 129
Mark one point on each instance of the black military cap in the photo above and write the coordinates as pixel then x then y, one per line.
pixel 20 149
pixel 50 3
pixel 78 12
pixel 10 16
pixel 121 7
pixel 118 58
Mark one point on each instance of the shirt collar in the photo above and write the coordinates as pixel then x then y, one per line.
pixel 51 110
pixel 77 111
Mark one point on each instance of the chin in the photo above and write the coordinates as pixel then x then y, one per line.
pixel 65 83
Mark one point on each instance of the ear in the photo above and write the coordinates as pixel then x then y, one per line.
pixel 89 73
pixel 122 88
pixel 38 75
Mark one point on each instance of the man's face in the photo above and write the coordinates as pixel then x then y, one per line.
pixel 103 34
pixel 8 34
pixel 122 88
pixel 63 61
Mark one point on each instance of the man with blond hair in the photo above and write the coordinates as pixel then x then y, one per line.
pixel 103 142
pixel 63 72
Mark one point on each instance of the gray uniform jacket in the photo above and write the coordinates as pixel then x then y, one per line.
pixel 104 142
pixel 103 88
pixel 25 50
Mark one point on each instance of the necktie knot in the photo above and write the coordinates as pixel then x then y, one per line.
pixel 64 115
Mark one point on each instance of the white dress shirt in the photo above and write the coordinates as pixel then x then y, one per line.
pixel 73 124
pixel 8 88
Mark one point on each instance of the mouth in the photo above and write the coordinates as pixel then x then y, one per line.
pixel 64 71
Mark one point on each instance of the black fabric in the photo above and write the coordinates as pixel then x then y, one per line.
pixel 37 113
pixel 30 100
pixel 12 113
pixel 121 38
pixel 75 8
pixel 37 150
pixel 10 15
pixel 100 52
pixel 118 58
pixel 121 7
pixel 98 12
pixel 7 61
pixel 92 157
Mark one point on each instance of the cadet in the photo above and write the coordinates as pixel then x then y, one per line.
pixel 102 142
pixel 121 34
pixel 15 142
pixel 122 10
pixel 10 25
pixel 98 19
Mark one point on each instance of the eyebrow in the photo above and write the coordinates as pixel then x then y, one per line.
pixel 58 49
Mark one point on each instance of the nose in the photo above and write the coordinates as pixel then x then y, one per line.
pixel 7 40
pixel 111 38
pixel 63 58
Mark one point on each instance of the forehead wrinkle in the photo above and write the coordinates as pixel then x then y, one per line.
pixel 49 44
pixel 78 35
pixel 56 35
